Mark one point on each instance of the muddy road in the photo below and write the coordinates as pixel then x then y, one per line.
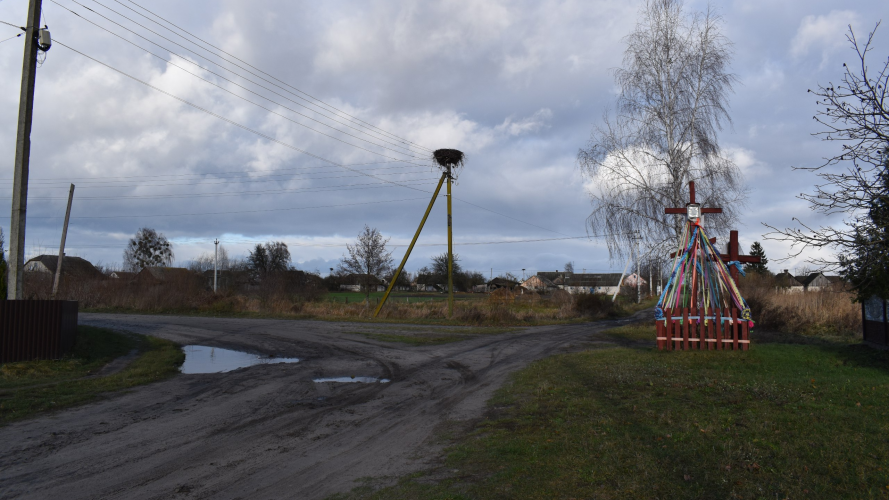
pixel 269 431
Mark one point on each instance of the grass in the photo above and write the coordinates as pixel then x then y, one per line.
pixel 641 331
pixel 777 421
pixel 33 387
pixel 422 336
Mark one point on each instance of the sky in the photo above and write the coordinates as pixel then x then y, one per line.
pixel 199 148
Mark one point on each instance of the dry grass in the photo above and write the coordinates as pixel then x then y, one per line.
pixel 829 312
pixel 278 299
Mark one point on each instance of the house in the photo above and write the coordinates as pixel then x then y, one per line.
pixel 814 282
pixel 788 282
pixel 538 283
pixel 355 282
pixel 71 266
pixel 498 283
pixel 631 281
pixel 123 275
pixel 607 283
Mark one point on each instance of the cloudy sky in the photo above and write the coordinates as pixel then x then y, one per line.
pixel 216 148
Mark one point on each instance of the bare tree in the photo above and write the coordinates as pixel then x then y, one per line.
pixel 367 258
pixel 206 260
pixel 673 100
pixel 274 256
pixel 569 267
pixel 147 248
pixel 854 113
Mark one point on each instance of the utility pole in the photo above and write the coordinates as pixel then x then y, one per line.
pixel 22 154
pixel 636 238
pixel 450 252
pixel 216 264
pixel 55 283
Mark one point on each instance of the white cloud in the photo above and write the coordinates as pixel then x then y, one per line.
pixel 825 33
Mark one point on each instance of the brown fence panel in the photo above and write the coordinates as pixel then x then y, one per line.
pixel 36 329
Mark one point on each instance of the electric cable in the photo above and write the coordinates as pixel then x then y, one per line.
pixel 10 38
pixel 215 73
pixel 232 122
pixel 171 63
pixel 220 213
pixel 343 187
pixel 261 71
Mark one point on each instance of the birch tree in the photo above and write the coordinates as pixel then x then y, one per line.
pixel 674 87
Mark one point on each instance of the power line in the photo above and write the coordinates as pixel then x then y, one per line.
pixel 343 187
pixel 244 173
pixel 232 122
pixel 263 72
pixel 10 38
pixel 224 213
pixel 410 153
pixel 171 63
pixel 97 184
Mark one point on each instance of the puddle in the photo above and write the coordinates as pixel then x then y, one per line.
pixel 363 380
pixel 203 359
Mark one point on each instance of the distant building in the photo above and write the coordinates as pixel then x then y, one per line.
pixel 498 283
pixel 607 283
pixel 73 267
pixel 123 275
pixel 788 282
pixel 814 282
pixel 356 282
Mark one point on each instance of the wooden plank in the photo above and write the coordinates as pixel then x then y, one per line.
pixel 735 328
pixel 668 330
pixel 718 325
pixel 745 337
pixel 685 328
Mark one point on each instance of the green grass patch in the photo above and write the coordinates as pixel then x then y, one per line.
pixel 32 387
pixel 641 331
pixel 426 336
pixel 778 421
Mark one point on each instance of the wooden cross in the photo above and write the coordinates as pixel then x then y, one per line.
pixel 733 252
pixel 735 255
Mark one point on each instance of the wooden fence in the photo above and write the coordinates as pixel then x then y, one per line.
pixel 36 329
pixel 718 329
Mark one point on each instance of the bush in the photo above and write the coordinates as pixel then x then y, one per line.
pixel 595 305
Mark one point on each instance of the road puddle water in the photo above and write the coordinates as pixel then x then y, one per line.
pixel 203 359
pixel 362 380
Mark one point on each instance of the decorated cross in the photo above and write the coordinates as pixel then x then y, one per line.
pixel 694 211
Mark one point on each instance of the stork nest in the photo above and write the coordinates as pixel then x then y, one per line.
pixel 449 158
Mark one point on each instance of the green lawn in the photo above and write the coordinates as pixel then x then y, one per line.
pixel 778 421
pixel 29 388
pixel 411 297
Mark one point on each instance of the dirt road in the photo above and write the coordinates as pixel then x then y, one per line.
pixel 269 431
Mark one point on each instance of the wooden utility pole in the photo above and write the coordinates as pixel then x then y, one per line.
pixel 55 283
pixel 215 264
pixel 450 252
pixel 22 155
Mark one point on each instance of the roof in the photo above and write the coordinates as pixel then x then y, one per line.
pixel 787 279
pixel 502 282
pixel 71 266
pixel 593 280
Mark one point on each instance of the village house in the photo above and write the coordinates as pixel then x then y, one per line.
pixel 74 267
pixel 355 282
pixel 814 282
pixel 606 283
pixel 788 282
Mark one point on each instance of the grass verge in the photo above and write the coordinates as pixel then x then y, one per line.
pixel 778 421
pixel 32 387
pixel 422 336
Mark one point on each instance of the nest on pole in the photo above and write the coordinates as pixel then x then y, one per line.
pixel 449 159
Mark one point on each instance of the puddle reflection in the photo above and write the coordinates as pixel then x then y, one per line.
pixel 203 359
pixel 363 380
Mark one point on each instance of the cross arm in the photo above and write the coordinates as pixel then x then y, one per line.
pixel 743 258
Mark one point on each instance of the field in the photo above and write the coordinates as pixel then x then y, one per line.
pixel 783 420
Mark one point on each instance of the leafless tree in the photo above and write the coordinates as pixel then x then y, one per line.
pixel 674 88
pixel 367 258
pixel 274 256
pixel 854 113
pixel 147 248
pixel 206 261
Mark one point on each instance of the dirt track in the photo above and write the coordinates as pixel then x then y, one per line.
pixel 268 431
